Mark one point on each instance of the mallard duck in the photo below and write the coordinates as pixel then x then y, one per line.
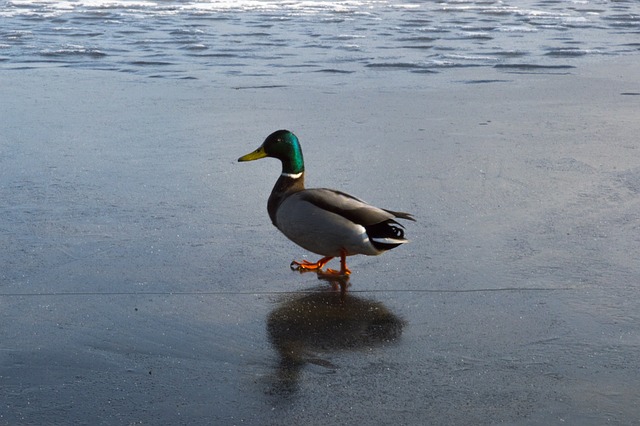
pixel 324 221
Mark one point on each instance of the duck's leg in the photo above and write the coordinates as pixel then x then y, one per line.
pixel 305 265
pixel 344 271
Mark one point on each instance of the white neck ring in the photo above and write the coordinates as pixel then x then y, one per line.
pixel 292 175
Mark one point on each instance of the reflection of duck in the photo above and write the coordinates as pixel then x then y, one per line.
pixel 324 221
pixel 326 321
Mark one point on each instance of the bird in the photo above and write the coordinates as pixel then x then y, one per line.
pixel 327 222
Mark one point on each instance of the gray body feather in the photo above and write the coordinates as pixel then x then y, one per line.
pixel 326 221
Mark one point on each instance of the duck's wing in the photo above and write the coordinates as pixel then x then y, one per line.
pixel 350 207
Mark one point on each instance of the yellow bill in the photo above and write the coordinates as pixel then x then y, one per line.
pixel 255 155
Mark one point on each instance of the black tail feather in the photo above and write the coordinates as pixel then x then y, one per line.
pixel 386 235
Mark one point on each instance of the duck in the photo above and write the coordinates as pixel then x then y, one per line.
pixel 327 222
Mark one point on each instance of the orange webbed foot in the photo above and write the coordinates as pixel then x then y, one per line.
pixel 305 266
pixel 333 273
pixel 344 271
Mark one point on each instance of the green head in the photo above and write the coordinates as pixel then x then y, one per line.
pixel 282 145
